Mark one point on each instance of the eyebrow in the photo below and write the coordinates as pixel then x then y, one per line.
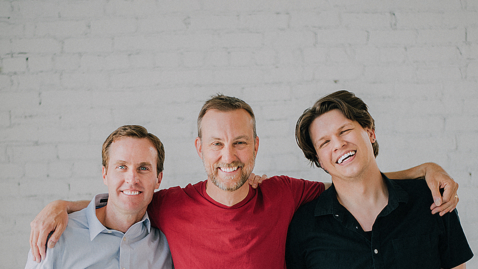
pixel 140 164
pixel 242 137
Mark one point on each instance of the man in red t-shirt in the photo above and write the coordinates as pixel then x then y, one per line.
pixel 223 222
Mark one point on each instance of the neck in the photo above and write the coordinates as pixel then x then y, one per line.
pixel 364 197
pixel 228 198
pixel 117 221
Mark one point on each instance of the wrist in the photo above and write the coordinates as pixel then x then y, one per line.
pixel 427 167
pixel 62 205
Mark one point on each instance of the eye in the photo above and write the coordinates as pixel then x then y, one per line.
pixel 345 131
pixel 121 167
pixel 324 144
pixel 143 168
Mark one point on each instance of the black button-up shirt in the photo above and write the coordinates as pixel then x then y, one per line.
pixel 323 234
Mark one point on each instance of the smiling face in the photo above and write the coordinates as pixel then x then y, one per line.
pixel 343 147
pixel 227 147
pixel 131 175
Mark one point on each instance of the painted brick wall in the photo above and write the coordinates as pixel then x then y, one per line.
pixel 73 71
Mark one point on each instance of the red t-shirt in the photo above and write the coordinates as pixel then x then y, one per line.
pixel 203 233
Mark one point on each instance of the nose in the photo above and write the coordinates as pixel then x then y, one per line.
pixel 338 142
pixel 131 176
pixel 228 154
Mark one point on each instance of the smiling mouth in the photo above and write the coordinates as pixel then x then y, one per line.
pixel 228 169
pixel 131 193
pixel 346 156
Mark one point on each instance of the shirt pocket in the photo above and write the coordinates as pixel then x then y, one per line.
pixel 419 251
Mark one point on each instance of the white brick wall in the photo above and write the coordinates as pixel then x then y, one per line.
pixel 72 72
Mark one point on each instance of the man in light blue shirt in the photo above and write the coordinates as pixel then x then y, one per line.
pixel 114 231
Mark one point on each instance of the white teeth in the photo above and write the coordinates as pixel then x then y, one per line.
pixel 228 169
pixel 345 156
pixel 131 192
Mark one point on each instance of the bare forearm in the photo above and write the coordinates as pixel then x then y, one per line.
pixel 414 172
pixel 73 206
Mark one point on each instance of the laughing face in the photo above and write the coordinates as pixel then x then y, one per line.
pixel 344 147
pixel 227 147
pixel 131 175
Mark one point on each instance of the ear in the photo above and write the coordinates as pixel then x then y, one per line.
pixel 103 172
pixel 160 178
pixel 198 145
pixel 371 135
pixel 256 146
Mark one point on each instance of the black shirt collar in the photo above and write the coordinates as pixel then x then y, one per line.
pixel 327 203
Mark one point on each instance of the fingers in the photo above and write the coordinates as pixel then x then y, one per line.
pixel 446 207
pixel 40 244
pixel 56 235
pixel 435 189
pixel 255 180
pixel 450 192
pixel 450 199
pixel 33 240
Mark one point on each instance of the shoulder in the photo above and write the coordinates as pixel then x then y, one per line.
pixel 287 181
pixel 174 197
pixel 411 184
pixel 279 183
pixel 173 191
pixel 77 220
pixel 414 187
pixel 304 217
pixel 414 195
pixel 307 210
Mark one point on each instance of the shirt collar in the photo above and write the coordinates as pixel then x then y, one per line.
pixel 95 226
pixel 327 203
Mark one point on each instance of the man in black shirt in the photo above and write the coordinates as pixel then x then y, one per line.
pixel 365 220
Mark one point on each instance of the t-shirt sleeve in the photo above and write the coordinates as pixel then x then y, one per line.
pixel 154 207
pixel 304 191
pixel 454 248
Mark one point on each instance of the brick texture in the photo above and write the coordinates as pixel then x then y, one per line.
pixel 73 71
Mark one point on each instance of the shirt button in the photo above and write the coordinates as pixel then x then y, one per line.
pixel 375 251
pixel 337 215
pixel 356 227
pixel 124 238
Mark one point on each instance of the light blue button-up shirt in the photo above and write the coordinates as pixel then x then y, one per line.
pixel 86 243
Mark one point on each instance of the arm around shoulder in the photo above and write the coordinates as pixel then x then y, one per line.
pixel 53 218
pixel 437 178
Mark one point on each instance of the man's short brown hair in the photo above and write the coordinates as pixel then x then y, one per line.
pixel 225 103
pixel 135 131
pixel 351 106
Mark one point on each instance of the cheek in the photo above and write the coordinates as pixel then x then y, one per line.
pixel 210 155
pixel 323 157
